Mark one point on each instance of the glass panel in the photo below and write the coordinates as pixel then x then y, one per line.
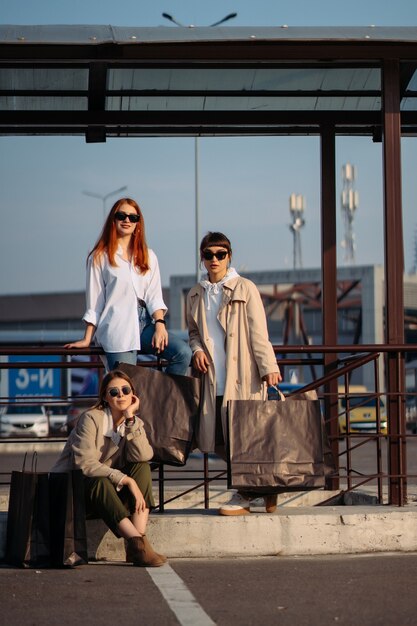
pixel 409 104
pixel 39 103
pixel 243 103
pixel 247 79
pixel 412 85
pixel 44 79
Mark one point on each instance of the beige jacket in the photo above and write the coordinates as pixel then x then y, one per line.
pixel 249 354
pixel 91 450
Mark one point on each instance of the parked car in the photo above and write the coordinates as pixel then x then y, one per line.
pixel 411 412
pixel 24 420
pixel 57 414
pixel 362 407
pixel 362 411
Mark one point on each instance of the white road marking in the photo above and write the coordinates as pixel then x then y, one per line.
pixel 178 597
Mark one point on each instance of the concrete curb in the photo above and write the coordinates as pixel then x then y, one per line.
pixel 300 532
pixel 292 531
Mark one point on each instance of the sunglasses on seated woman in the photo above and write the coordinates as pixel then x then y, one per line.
pixel 220 255
pixel 132 217
pixel 114 392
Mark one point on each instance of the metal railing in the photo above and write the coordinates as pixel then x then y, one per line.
pixel 387 450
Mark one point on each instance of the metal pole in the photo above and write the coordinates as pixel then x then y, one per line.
pixel 197 210
pixel 172 19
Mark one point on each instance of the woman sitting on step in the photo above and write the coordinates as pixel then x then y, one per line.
pixel 110 446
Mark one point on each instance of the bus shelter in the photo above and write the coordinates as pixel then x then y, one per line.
pixel 106 81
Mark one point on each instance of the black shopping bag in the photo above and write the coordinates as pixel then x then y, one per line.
pixel 169 407
pixel 28 531
pixel 275 445
pixel 68 535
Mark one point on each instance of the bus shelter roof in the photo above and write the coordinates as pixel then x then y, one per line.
pixel 106 81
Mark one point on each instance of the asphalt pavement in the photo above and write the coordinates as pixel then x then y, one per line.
pixel 323 591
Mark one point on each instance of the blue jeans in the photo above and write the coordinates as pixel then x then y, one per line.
pixel 177 352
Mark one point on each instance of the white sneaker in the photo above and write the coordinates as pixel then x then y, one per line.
pixel 237 505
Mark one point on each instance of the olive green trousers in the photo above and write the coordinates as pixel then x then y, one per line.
pixel 105 502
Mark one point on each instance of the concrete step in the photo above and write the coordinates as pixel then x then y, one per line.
pixel 297 531
pixel 293 529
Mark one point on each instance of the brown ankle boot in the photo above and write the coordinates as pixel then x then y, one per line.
pixel 142 554
pixel 147 546
pixel 271 502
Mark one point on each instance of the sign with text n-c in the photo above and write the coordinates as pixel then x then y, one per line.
pixel 27 381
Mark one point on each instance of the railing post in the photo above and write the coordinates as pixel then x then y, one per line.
pixel 394 280
pixel 329 286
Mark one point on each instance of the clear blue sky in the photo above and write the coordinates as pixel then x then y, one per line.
pixel 48 225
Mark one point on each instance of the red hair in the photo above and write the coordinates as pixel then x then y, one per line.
pixel 107 242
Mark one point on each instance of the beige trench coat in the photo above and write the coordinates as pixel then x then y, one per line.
pixel 249 354
pixel 91 450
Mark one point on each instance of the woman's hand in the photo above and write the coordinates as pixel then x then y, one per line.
pixel 140 504
pixel 272 379
pixel 201 361
pixel 82 343
pixel 86 340
pixel 133 408
pixel 160 338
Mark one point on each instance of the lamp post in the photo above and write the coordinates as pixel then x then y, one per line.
pixel 103 198
pixel 172 19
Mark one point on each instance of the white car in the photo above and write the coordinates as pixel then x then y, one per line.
pixel 57 415
pixel 24 420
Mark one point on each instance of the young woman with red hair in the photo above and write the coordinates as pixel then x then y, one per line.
pixel 125 308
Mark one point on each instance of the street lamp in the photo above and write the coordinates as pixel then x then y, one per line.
pixel 172 19
pixel 103 198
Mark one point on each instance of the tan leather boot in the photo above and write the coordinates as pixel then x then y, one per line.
pixel 141 554
pixel 147 546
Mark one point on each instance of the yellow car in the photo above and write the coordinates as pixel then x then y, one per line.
pixel 362 411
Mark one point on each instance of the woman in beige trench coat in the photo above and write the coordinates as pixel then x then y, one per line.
pixel 231 350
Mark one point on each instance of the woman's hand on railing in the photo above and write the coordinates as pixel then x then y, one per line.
pixel 81 343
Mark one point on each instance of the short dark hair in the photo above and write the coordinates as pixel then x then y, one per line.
pixel 215 239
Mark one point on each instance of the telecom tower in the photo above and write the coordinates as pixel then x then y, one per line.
pixel 297 208
pixel 350 201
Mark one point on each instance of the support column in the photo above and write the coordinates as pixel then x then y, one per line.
pixel 394 277
pixel 329 282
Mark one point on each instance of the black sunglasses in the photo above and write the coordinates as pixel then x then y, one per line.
pixel 132 217
pixel 114 392
pixel 220 255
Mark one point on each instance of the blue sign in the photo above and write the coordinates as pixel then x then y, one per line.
pixel 27 381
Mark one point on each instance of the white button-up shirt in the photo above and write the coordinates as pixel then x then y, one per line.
pixel 112 300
